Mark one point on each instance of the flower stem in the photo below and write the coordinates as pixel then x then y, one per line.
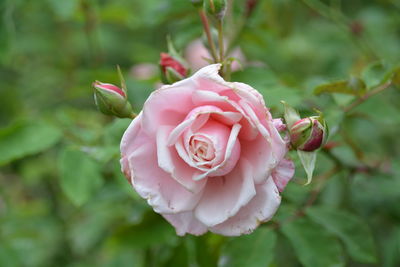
pixel 207 31
pixel 363 98
pixel 220 40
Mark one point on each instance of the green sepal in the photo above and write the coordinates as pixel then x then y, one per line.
pixel 308 161
pixel 110 103
pixel 290 115
pixel 122 81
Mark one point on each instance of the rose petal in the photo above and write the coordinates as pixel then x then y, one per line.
pixel 165 101
pixel 200 97
pixel 283 173
pixel 260 209
pixel 223 196
pixel 253 97
pixel 258 152
pixel 218 134
pixel 186 222
pixel 278 124
pixel 169 161
pixel 162 192
pixel 232 154
pixel 127 143
pixel 198 115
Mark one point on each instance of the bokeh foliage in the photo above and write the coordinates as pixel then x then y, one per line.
pixel 63 199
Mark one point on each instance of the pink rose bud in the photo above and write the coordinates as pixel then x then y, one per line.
pixel 112 100
pixel 309 134
pixel 172 69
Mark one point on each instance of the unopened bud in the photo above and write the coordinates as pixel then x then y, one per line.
pixel 216 8
pixel 112 100
pixel 172 70
pixel 308 134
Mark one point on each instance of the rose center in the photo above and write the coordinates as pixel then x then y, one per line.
pixel 201 149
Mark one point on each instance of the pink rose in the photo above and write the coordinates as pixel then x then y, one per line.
pixel 206 155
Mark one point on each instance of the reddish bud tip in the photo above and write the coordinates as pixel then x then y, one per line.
pixel 168 61
pixel 109 87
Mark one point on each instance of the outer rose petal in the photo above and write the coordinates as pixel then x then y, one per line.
pixel 260 209
pixel 162 192
pixel 174 100
pixel 224 196
pixel 283 173
pixel 127 144
pixel 185 222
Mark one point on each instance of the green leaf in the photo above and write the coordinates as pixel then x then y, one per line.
pixel 395 76
pixel 308 161
pixel 391 249
pixel 352 86
pixel 313 245
pixel 352 230
pixel 152 231
pixel 79 176
pixel 64 9
pixel 374 74
pixel 252 250
pixel 26 138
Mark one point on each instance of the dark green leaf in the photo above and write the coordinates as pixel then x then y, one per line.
pixel 351 229
pixel 256 249
pixel 152 231
pixel 26 138
pixel 395 76
pixel 353 86
pixel 80 175
pixel 313 245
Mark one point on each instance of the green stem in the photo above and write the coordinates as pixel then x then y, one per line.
pixel 207 31
pixel 221 40
pixel 363 98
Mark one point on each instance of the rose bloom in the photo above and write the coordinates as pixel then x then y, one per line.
pixel 207 155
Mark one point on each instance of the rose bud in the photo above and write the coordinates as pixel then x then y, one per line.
pixel 112 100
pixel 172 69
pixel 216 8
pixel 309 134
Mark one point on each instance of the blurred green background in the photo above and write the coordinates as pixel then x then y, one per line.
pixel 63 200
